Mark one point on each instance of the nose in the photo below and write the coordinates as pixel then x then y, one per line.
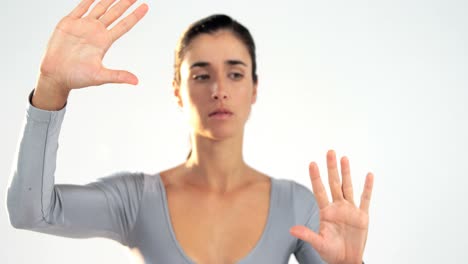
pixel 219 91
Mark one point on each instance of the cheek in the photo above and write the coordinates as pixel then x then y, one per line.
pixel 193 101
pixel 245 100
pixel 194 97
pixel 248 94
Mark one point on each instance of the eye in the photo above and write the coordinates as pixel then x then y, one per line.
pixel 201 77
pixel 236 75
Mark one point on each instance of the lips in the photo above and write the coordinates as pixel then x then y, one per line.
pixel 220 111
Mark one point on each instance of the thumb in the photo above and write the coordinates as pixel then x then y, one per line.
pixel 115 76
pixel 304 233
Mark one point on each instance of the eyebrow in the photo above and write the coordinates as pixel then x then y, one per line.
pixel 206 64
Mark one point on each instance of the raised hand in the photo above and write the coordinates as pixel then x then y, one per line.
pixel 343 226
pixel 74 54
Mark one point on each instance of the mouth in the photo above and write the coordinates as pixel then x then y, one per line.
pixel 221 113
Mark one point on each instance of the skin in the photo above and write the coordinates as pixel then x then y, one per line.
pixel 216 175
pixel 216 72
pixel 343 226
pixel 73 58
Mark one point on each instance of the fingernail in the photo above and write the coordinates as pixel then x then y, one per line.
pixel 296 231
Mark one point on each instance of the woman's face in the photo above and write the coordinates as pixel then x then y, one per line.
pixel 216 87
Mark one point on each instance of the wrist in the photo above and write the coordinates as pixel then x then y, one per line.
pixel 353 262
pixel 49 95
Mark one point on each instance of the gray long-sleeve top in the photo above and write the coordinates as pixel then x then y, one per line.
pixel 132 208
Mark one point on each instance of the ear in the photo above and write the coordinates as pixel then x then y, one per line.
pixel 176 91
pixel 254 92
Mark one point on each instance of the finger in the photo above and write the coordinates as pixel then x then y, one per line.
pixel 304 233
pixel 116 76
pixel 100 8
pixel 367 193
pixel 317 186
pixel 81 9
pixel 116 11
pixel 347 186
pixel 128 22
pixel 333 177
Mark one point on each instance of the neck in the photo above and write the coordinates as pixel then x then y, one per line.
pixel 217 165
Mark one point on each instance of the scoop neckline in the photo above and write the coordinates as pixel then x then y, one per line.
pixel 244 258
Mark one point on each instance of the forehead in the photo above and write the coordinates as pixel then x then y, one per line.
pixel 216 48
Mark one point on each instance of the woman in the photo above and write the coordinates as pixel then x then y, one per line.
pixel 213 208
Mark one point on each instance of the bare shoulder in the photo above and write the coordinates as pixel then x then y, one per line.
pixel 260 176
pixel 171 177
pixel 174 180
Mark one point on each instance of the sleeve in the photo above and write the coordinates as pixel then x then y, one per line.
pixel 307 214
pixel 107 207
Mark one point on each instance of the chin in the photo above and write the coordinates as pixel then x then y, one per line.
pixel 221 133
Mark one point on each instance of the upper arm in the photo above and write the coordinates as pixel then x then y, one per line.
pixel 104 208
pixel 107 207
pixel 306 214
pixel 304 252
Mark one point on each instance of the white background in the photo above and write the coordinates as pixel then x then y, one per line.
pixel 384 83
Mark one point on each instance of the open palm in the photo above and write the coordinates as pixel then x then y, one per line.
pixel 343 226
pixel 75 51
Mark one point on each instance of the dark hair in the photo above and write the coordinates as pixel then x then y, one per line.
pixel 210 25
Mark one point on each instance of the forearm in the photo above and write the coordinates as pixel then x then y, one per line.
pixel 32 185
pixel 104 208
